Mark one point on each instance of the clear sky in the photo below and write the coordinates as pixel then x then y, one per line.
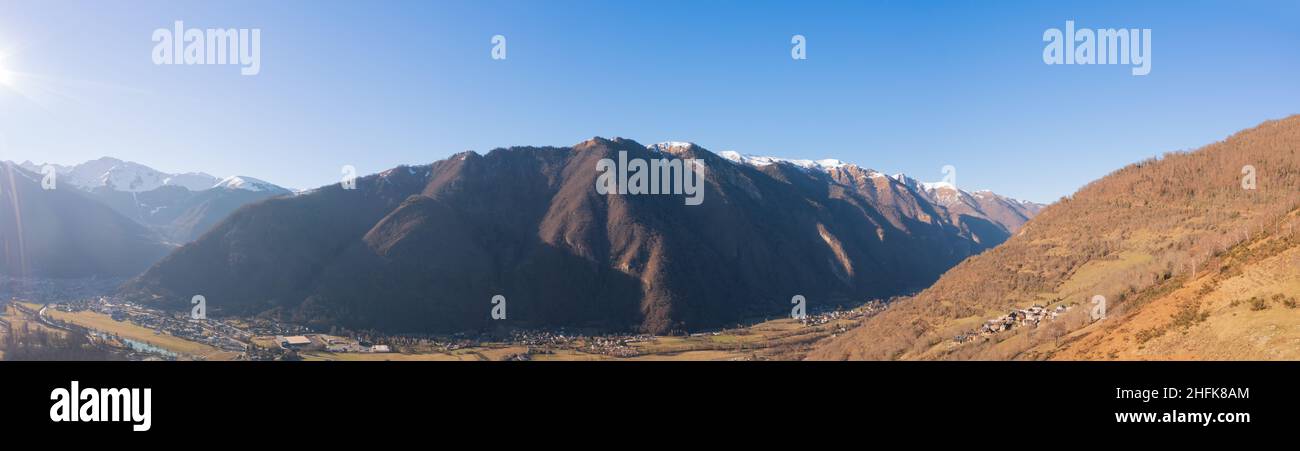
pixel 906 86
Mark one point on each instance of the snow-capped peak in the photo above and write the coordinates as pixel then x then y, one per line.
pixel 671 147
pixel 246 184
pixel 752 160
pixel 924 186
pixel 931 186
pixel 122 175
pixel 945 193
pixel 193 181
pixel 908 181
pixel 756 160
pixel 128 176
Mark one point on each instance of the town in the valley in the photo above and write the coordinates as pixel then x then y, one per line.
pixel 124 330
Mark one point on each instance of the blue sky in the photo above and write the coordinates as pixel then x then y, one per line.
pixel 895 86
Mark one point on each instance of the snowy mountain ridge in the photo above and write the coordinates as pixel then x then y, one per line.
pixel 132 177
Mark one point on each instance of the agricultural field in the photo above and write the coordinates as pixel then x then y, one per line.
pixel 185 349
pixel 769 340
pixel 775 339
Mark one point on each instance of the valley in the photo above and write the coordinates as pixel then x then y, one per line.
pixel 1189 262
pixel 141 333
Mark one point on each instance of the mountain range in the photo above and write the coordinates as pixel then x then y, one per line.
pixel 123 176
pixel 423 249
pixel 107 217
pixel 64 233
pixel 178 207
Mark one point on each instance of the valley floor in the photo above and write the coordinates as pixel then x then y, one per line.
pixel 784 339
pixel 779 339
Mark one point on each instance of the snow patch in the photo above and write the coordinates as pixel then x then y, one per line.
pixel 246 184
pixel 760 161
pixel 931 186
pixel 193 181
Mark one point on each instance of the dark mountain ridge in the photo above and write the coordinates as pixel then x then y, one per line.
pixel 425 248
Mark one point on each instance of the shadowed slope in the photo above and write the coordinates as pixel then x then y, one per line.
pixel 62 233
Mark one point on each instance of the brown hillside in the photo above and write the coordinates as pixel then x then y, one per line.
pixel 1175 244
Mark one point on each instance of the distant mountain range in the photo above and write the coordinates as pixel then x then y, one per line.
pixel 123 176
pixel 64 233
pixel 986 216
pixel 178 207
pixel 107 217
pixel 424 248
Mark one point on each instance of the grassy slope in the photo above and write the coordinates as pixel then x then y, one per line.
pixel 1244 309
